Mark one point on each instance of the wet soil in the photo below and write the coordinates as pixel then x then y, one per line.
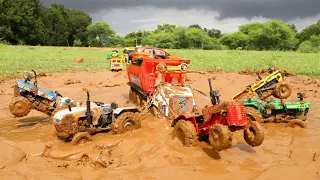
pixel 150 152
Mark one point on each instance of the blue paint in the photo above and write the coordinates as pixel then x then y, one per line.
pixel 28 86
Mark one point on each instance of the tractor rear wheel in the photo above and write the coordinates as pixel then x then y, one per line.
pixel 254 136
pixel 297 123
pixel 20 106
pixel 254 115
pixel 80 138
pixel 220 137
pixel 127 121
pixel 186 132
pixel 282 91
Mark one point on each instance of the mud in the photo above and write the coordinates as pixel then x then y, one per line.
pixel 150 152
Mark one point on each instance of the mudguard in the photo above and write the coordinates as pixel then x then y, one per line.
pixel 118 111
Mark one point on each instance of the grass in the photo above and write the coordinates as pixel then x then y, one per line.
pixel 16 60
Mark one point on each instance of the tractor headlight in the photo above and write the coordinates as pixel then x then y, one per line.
pixel 184 67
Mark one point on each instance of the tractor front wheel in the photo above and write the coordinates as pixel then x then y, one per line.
pixel 282 91
pixel 20 106
pixel 186 132
pixel 125 122
pixel 254 136
pixel 220 137
pixel 297 123
pixel 80 138
pixel 254 115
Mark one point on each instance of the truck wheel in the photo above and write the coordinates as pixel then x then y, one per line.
pixel 254 136
pixel 20 106
pixel 80 137
pixel 186 132
pixel 220 137
pixel 297 123
pixel 55 111
pixel 254 115
pixel 282 91
pixel 125 122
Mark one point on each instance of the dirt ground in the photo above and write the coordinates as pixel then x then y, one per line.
pixel 150 152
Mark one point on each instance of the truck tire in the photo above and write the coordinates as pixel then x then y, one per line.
pixel 254 115
pixel 80 137
pixel 186 132
pixel 126 122
pixel 297 123
pixel 282 91
pixel 220 137
pixel 20 106
pixel 254 136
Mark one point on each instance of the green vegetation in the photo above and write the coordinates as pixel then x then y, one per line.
pixel 16 60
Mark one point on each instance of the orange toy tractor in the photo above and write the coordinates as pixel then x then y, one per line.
pixel 218 122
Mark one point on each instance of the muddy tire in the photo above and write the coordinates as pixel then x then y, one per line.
pixel 297 123
pixel 186 133
pixel 254 136
pixel 55 111
pixel 253 115
pixel 20 106
pixel 220 137
pixel 125 122
pixel 282 91
pixel 80 137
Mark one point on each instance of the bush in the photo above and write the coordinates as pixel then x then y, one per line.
pixel 306 47
pixel 77 43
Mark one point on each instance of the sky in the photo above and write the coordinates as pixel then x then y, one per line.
pixel 226 15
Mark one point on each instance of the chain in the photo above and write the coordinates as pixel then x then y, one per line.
pixel 202 95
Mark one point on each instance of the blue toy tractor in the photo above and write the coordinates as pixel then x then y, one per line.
pixel 29 96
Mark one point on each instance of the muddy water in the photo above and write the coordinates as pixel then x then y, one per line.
pixel 151 153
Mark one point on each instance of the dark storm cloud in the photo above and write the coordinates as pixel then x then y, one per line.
pixel 273 9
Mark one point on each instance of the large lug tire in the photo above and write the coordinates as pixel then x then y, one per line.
pixel 20 106
pixel 253 115
pixel 282 91
pixel 125 122
pixel 254 136
pixel 297 123
pixel 81 137
pixel 67 127
pixel 55 111
pixel 220 137
pixel 186 133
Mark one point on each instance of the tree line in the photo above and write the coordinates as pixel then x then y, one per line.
pixel 28 22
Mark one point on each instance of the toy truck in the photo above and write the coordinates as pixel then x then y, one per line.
pixel 161 82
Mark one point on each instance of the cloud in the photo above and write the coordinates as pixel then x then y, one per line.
pixel 274 9
pixel 227 15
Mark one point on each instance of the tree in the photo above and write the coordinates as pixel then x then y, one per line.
pixel 195 37
pixel 309 31
pixel 165 28
pixel 78 21
pixel 235 40
pixel 21 21
pixel 160 40
pixel 138 36
pixel 197 26
pixel 56 20
pixel 213 32
pixel 99 33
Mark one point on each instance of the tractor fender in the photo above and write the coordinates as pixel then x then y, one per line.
pixel 185 116
pixel 118 111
